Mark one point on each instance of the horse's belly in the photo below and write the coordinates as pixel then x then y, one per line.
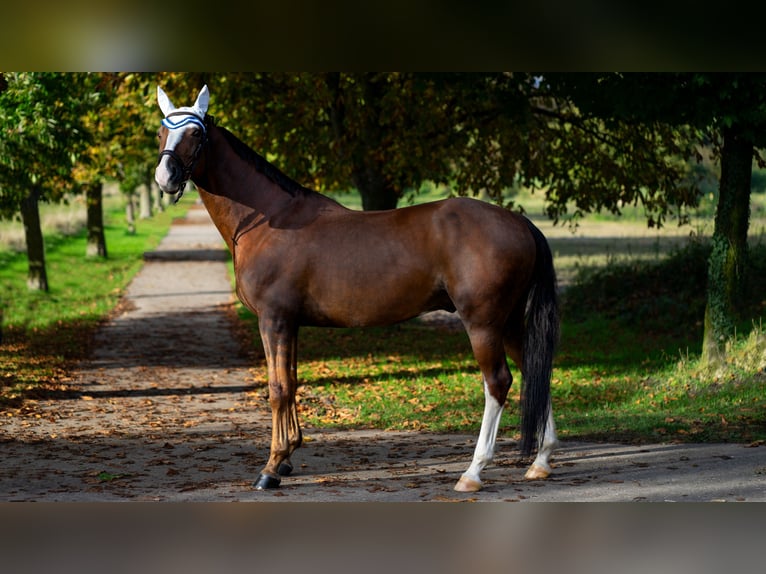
pixel 373 307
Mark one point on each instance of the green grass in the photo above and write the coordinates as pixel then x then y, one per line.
pixel 638 327
pixel 44 332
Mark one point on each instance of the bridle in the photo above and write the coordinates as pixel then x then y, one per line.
pixel 187 168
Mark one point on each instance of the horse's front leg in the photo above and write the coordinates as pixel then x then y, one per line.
pixel 280 345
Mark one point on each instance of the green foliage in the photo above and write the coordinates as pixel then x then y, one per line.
pixel 41 134
pixel 590 142
pixel 127 143
pixel 382 133
pixel 386 133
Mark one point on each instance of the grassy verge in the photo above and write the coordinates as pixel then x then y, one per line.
pixel 43 333
pixel 627 369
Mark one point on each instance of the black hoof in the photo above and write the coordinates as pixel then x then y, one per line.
pixel 266 482
pixel 285 468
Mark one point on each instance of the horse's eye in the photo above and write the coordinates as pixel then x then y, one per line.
pixel 197 132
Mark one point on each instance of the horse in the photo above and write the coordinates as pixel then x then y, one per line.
pixel 300 258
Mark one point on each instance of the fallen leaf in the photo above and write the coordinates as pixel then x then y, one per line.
pixel 105 476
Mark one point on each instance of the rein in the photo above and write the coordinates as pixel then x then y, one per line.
pixel 187 118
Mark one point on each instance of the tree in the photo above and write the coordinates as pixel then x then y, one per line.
pixel 94 201
pixel 727 110
pixel 41 134
pixel 524 130
pixel 387 133
pixel 732 108
pixel 96 162
pixel 121 146
pixel 383 134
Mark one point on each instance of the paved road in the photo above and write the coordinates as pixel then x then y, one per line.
pixel 170 409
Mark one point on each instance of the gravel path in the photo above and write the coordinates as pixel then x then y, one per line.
pixel 167 409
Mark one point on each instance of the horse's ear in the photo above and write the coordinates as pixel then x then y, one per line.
pixel 165 104
pixel 203 99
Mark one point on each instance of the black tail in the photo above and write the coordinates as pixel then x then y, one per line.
pixel 541 335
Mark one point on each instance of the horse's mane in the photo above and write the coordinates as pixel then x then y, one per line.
pixel 260 163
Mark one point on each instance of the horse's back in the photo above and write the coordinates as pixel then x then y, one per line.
pixel 444 225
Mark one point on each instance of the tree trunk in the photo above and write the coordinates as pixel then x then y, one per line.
pixel 363 152
pixel 145 201
pixel 96 246
pixel 130 213
pixel 37 278
pixel 729 257
pixel 159 204
pixel 376 194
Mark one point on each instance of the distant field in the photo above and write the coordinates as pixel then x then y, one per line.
pixel 57 219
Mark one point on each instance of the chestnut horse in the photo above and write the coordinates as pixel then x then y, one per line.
pixel 300 258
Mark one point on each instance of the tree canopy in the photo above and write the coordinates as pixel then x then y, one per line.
pixel 41 123
pixel 386 134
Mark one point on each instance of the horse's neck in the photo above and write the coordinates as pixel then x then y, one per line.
pixel 237 196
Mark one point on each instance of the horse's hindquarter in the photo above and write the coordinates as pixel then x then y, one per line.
pixel 491 258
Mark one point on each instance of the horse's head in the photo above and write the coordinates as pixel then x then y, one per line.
pixel 182 136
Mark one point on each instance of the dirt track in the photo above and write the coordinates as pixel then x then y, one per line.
pixel 168 410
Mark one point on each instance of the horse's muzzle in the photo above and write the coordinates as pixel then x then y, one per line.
pixel 168 177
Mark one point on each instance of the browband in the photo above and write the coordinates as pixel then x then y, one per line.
pixel 187 118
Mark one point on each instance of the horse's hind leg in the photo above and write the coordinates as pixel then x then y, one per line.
pixel 541 468
pixel 488 349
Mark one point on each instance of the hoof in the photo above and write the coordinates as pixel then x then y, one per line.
pixel 285 468
pixel 536 472
pixel 466 484
pixel 266 482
